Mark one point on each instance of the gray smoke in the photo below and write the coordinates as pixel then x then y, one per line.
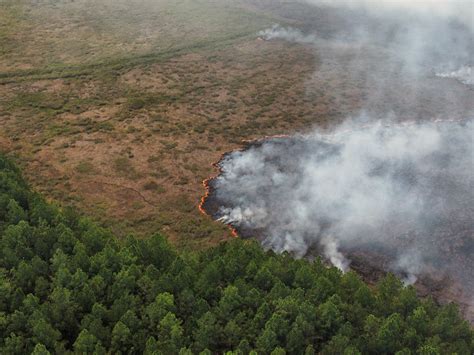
pixel 399 195
pixel 390 56
pixel 397 187
pixel 455 10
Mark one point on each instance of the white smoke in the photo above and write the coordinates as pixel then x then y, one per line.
pixel 401 193
pixel 391 61
pixel 288 34
pixel 465 75
pixel 409 262
pixel 394 187
pixel 460 10
pixel 331 251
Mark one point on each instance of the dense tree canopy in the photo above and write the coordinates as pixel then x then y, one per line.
pixel 69 286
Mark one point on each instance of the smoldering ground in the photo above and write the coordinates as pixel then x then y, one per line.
pixel 404 191
pixel 401 55
pixel 394 198
pixel 398 195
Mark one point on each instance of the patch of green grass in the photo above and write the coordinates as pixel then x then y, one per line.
pixel 136 103
pixel 140 100
pixel 57 130
pixel 85 167
pixel 38 101
pixel 105 126
pixel 114 66
pixel 169 145
pixel 124 167
pixel 153 186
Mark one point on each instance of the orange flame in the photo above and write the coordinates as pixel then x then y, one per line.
pixel 206 181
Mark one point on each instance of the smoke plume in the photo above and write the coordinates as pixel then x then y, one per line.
pixel 404 189
pixel 404 192
pixel 457 10
pixel 401 56
pixel 465 75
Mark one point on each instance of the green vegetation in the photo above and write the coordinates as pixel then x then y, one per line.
pixel 69 286
pixel 85 167
pixel 112 34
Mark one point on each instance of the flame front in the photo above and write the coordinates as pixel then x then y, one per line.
pixel 206 182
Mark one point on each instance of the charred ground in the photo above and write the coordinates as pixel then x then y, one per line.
pixel 268 191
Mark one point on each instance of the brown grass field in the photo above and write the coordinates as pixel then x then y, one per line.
pixel 120 111
pixel 119 108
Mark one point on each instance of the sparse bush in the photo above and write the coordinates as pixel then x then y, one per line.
pixel 85 167
pixel 136 103
pixel 124 167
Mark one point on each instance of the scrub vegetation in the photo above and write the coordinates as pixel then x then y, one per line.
pixel 100 99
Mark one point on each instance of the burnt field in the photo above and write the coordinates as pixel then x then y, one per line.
pixel 390 189
pixel 363 199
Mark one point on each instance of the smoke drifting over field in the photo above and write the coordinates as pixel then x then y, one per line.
pixel 402 56
pixel 465 75
pixel 402 188
pixel 459 10
pixel 385 189
pixel 379 184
